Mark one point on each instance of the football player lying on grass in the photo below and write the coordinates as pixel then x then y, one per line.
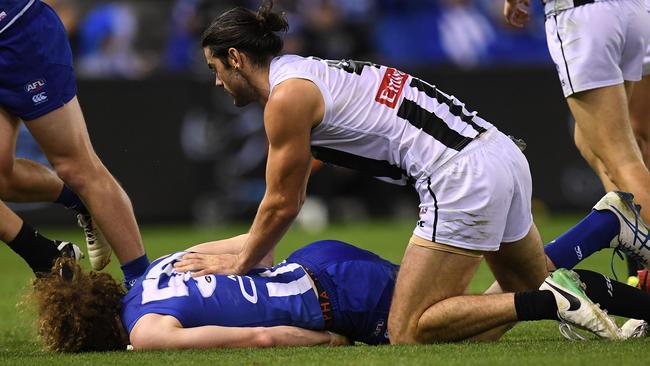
pixel 328 292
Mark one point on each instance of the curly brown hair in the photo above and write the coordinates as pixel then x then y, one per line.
pixel 79 311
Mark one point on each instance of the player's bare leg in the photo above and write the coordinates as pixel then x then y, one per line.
pixel 63 136
pixel 594 162
pixel 10 224
pixel 32 182
pixel 640 116
pixel 640 120
pixel 428 305
pixel 37 250
pixel 428 302
pixel 517 266
pixel 423 280
pixel 602 125
pixel 22 180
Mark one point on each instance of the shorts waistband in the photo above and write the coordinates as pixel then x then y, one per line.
pixel 552 7
pixel 485 138
pixel 323 299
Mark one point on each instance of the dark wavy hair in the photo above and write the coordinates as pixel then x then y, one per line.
pixel 254 33
pixel 78 311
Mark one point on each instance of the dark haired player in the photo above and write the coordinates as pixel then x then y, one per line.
pixel 474 183
pixel 38 87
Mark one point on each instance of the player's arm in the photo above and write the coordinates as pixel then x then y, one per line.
pixel 288 118
pixel 225 246
pixel 295 106
pixel 154 331
pixel 232 245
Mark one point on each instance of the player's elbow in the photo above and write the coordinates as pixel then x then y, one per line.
pixel 152 340
pixel 285 209
pixel 290 212
pixel 263 338
pixel 143 343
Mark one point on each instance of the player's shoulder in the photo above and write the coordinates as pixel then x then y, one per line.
pixel 166 260
pixel 288 62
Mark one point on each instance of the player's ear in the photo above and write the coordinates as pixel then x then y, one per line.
pixel 235 58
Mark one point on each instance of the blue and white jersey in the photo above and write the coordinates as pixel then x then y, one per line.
pixel 282 295
pixel 11 10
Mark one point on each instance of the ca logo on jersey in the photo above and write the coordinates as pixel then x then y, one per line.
pixel 35 86
pixel 39 98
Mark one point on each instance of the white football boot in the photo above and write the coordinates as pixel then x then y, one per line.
pixel 633 233
pixel 575 308
pixel 99 251
pixel 635 328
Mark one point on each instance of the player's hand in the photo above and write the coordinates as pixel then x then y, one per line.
pixel 338 340
pixel 517 12
pixel 200 264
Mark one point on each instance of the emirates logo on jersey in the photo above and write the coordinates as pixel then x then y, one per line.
pixel 391 87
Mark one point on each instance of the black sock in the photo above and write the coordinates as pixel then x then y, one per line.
pixel 71 201
pixel 38 251
pixel 632 266
pixel 615 297
pixel 535 305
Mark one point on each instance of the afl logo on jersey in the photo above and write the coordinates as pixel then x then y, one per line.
pixel 2 15
pixel 391 87
pixel 35 86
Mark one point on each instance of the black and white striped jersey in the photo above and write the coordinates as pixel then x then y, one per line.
pixel 379 120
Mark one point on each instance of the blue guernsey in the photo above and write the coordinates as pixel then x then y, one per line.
pixel 282 295
pixel 11 10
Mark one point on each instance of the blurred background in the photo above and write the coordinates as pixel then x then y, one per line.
pixel 185 154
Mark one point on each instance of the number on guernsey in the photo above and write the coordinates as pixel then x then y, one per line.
pixel 176 286
pixel 251 297
pixel 350 66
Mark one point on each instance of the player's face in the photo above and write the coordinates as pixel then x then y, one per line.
pixel 231 79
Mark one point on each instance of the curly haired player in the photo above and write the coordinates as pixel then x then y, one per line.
pixel 327 292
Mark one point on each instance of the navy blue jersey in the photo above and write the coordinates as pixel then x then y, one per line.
pixel 36 61
pixel 358 284
pixel 282 295
pixel 11 10
pixel 355 288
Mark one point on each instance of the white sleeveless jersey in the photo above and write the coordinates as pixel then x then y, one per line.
pixel 379 120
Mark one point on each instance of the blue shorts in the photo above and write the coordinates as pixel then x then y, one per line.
pixel 359 284
pixel 36 62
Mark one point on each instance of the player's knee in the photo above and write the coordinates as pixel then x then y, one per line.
pixel 77 174
pixel 402 332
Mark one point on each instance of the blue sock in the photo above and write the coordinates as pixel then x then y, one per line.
pixel 134 269
pixel 590 235
pixel 71 201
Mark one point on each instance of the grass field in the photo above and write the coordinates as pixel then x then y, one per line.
pixel 531 343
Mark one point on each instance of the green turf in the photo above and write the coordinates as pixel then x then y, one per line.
pixel 530 343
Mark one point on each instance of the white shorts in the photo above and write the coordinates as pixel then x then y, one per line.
pixel 478 199
pixel 598 44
